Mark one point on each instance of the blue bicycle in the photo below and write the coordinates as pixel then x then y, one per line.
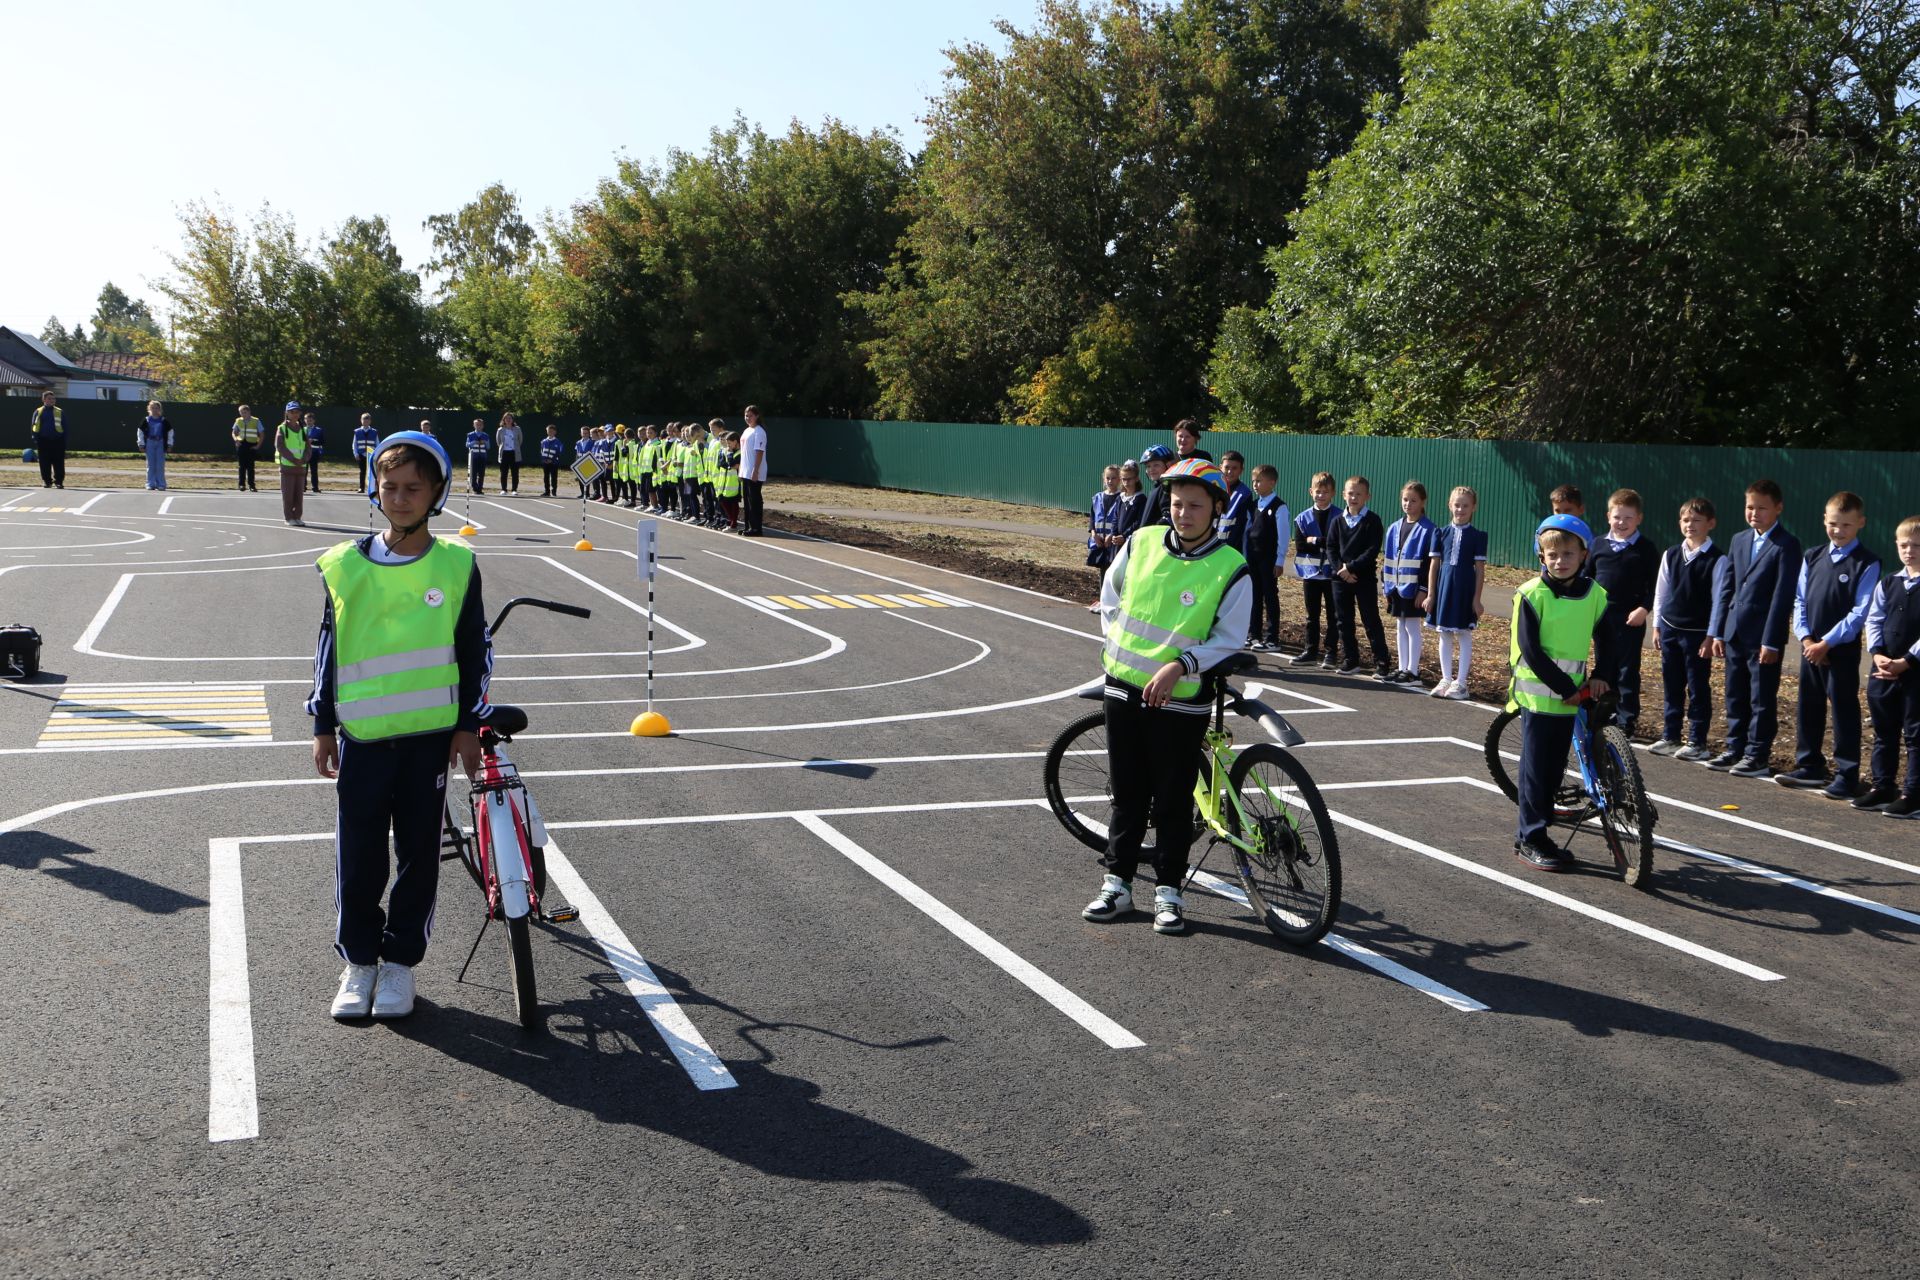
pixel 1609 791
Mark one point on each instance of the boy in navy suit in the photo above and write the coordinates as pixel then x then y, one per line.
pixel 1831 599
pixel 1893 694
pixel 1628 566
pixel 1751 613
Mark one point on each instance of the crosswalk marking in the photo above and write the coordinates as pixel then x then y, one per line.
pixel 157 713
pixel 904 600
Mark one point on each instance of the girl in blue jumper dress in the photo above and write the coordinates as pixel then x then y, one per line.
pixel 1456 576
pixel 1403 577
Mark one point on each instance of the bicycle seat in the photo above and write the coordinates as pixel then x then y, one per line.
pixel 1238 664
pixel 505 721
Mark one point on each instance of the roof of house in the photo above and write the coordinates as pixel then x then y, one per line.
pixel 12 377
pixel 39 348
pixel 120 364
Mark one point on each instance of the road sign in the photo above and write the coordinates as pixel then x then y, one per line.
pixel 587 469
pixel 647 550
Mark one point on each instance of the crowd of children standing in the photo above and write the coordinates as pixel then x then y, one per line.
pixel 1703 605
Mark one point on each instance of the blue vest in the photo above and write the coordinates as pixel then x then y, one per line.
pixel 1689 602
pixel 550 448
pixel 477 443
pixel 1833 585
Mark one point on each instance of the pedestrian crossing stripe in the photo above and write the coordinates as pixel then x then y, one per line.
pixel 899 600
pixel 4 510
pixel 130 714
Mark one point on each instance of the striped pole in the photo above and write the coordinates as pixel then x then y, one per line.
pixel 649 642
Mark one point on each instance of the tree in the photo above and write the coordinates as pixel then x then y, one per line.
pixel 55 335
pixel 492 325
pixel 379 344
pixel 1618 219
pixel 119 320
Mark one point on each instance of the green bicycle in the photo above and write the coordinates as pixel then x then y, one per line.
pixel 1260 802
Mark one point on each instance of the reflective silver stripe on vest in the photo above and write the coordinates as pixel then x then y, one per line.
pixel 1534 689
pixel 394 704
pixel 1186 685
pixel 1311 562
pixel 1155 635
pixel 392 664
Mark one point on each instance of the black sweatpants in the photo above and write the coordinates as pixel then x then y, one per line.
pixel 1319 593
pixel 1153 761
pixel 399 784
pixel 1363 595
pixel 1895 706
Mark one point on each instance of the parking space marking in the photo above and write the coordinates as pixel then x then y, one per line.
pixel 1105 1029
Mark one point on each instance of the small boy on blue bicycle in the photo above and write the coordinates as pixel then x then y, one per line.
pixel 1556 620
pixel 1175 603
pixel 401 671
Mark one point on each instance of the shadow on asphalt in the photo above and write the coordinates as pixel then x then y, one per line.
pixel 28 850
pixel 610 1063
pixel 1742 899
pixel 1589 1012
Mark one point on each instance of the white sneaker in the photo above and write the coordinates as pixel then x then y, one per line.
pixel 1459 692
pixel 1441 690
pixel 1114 900
pixel 355 997
pixel 394 996
pixel 1169 910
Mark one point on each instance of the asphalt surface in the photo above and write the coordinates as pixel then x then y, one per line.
pixel 838 876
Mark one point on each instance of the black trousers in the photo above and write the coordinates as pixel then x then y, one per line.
pixel 244 455
pixel 399 785
pixel 549 479
pixel 313 469
pixel 363 460
pixel 476 473
pixel 1835 682
pixel 646 489
pixel 1364 596
pixel 1544 742
pixel 53 463
pixel 1753 702
pixel 1685 687
pixel 1266 605
pixel 1319 593
pixel 509 471
pixel 690 499
pixel 1153 759
pixel 1895 707
pixel 751 509
pixel 1629 645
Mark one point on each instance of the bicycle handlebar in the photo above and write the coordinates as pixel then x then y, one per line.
pixel 552 606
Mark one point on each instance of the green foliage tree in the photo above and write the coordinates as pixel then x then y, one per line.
pixel 120 321
pixel 491 313
pixel 379 344
pixel 55 335
pixel 1615 219
pixel 716 278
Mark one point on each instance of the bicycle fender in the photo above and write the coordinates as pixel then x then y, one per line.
pixel 1093 692
pixel 1277 726
pixel 509 862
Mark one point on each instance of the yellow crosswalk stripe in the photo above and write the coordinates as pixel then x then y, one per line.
pixel 157 713
pixel 925 600
pixel 834 604
pixel 790 602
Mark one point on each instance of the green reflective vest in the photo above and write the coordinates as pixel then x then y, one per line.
pixel 59 421
pixel 727 480
pixel 1167 606
pixel 647 449
pixel 294 439
pixel 1566 633
pixel 393 628
pixel 713 461
pixel 247 431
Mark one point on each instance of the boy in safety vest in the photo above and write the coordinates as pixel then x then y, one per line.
pixel 727 485
pixel 1556 620
pixel 643 464
pixel 1175 603
pixel 710 478
pixel 401 671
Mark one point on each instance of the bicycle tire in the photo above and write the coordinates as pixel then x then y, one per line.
pixel 1086 775
pixel 1630 816
pixel 1571 803
pixel 1296 893
pixel 526 1001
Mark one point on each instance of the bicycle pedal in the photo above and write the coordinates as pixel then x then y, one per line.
pixel 561 915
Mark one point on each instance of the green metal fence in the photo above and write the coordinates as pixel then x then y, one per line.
pixel 1060 467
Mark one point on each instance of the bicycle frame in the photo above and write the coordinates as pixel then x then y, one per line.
pixel 1583 756
pixel 1212 784
pixel 505 821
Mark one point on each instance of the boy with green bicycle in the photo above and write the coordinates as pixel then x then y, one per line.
pixel 1175 603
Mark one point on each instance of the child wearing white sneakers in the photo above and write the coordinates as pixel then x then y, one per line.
pixel 1456 577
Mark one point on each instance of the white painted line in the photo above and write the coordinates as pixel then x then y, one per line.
pixel 702 1065
pixel 1814 841
pixel 85 643
pixel 82 508
pixel 233 1109
pixel 164 504
pixel 1634 927
pixel 1781 877
pixel 1109 1032
pixel 526 515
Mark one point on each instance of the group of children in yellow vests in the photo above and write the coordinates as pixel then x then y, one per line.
pixel 683 470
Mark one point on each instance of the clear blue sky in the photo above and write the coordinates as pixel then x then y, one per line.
pixel 128 110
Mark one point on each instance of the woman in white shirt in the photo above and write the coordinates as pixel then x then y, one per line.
pixel 508 440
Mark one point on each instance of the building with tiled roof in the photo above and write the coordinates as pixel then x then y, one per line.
pixel 120 364
pixel 40 368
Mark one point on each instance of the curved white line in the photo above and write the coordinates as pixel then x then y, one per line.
pixel 137 538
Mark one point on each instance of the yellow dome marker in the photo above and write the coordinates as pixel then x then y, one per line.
pixel 650 724
pixel 583 545
pixel 467 531
pixel 1729 808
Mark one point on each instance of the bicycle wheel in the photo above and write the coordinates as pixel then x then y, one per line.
pixel 1570 804
pixel 1630 816
pixel 1076 769
pixel 1292 876
pixel 520 962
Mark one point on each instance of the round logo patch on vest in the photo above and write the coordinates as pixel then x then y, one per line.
pixel 435 598
pixel 1843 577
pixel 1186 598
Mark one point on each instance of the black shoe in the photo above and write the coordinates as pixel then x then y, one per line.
pixel 1803 778
pixel 1114 900
pixel 1752 767
pixel 1349 669
pixel 1302 659
pixel 1876 798
pixel 1386 675
pixel 1841 789
pixel 1541 857
pixel 1907 806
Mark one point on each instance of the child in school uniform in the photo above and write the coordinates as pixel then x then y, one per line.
pixel 1627 564
pixel 1312 529
pixel 1103 518
pixel 604 447
pixel 583 448
pixel 1156 459
pixel 1403 578
pixel 551 446
pixel 1456 580
pixel 1893 688
pixel 1269 526
pixel 1133 502
pixel 1683 596
pixel 726 485
pixel 1830 606
pixel 1752 611
pixel 478 442
pixel 1233 521
pixel 1354 550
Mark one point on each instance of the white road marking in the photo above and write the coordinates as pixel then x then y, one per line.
pixel 82 508
pixel 527 515
pixel 1781 877
pixel 233 1109
pixel 702 1065
pixel 1109 1032
pixel 165 504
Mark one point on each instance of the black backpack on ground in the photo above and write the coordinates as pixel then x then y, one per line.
pixel 19 652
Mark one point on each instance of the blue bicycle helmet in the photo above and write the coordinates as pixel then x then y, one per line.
pixel 1160 451
pixel 1566 524
pixel 422 440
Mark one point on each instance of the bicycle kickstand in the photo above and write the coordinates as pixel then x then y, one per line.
pixel 475 948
